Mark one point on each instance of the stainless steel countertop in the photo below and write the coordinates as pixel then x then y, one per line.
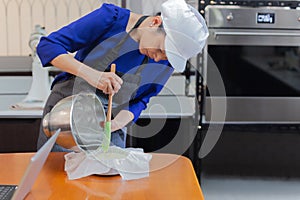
pixel 159 107
pixel 170 107
pixel 21 114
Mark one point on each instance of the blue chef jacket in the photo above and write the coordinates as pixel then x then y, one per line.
pixel 89 33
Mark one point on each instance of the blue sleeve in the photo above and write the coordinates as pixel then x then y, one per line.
pixel 139 104
pixel 78 34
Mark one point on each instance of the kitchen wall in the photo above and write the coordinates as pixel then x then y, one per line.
pixel 151 7
pixel 18 18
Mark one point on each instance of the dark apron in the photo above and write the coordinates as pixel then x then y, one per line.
pixel 131 82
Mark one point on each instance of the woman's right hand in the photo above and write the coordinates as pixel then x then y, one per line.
pixel 108 82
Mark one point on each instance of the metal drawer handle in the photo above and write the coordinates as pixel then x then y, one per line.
pixel 217 34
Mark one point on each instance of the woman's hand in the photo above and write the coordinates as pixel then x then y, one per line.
pixel 115 125
pixel 121 120
pixel 108 82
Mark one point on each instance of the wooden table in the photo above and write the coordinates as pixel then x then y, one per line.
pixel 171 177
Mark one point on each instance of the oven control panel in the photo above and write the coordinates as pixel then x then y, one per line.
pixel 293 4
pixel 219 16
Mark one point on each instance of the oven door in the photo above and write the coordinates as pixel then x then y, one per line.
pixel 260 70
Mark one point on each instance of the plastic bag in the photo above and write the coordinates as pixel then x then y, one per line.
pixel 129 163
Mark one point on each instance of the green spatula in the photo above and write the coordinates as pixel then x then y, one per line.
pixel 107 124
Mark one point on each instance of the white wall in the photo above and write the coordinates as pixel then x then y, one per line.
pixel 18 18
pixel 151 7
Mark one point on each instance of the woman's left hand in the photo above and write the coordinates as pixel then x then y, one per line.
pixel 121 120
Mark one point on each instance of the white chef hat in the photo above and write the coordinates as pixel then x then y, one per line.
pixel 186 32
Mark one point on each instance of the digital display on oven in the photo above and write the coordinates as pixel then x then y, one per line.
pixel 265 18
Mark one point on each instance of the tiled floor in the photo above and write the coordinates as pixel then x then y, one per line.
pixel 243 188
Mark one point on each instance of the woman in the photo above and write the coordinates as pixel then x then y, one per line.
pixel 146 50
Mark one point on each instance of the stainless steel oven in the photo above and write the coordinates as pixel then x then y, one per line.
pixel 255 50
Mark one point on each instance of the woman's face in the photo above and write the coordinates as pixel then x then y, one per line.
pixel 152 43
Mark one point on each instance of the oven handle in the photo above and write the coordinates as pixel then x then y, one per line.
pixel 217 34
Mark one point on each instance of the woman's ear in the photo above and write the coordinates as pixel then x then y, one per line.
pixel 156 21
